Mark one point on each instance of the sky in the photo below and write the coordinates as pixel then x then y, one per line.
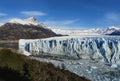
pixel 74 14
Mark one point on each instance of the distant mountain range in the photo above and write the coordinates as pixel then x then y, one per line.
pixel 75 32
pixel 112 31
pixel 88 32
pixel 30 28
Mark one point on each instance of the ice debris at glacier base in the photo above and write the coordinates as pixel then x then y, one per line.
pixel 101 49
pixel 85 68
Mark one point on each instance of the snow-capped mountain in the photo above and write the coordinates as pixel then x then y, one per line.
pixel 28 28
pixel 71 32
pixel 28 21
pixel 88 32
pixel 111 30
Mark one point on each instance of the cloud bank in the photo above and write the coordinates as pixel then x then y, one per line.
pixel 33 13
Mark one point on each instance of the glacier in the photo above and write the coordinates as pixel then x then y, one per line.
pixel 104 49
pixel 78 32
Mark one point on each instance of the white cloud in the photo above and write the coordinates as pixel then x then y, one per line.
pixel 3 14
pixel 113 16
pixel 33 13
pixel 64 23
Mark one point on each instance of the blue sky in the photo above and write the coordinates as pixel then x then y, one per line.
pixel 75 14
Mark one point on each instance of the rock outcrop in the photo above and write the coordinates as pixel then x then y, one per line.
pixel 13 31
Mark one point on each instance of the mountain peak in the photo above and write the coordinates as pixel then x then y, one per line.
pixel 31 19
pixel 113 27
pixel 28 21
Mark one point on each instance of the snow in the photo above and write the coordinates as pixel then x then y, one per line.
pixel 111 29
pixel 86 32
pixel 70 32
pixel 28 21
pixel 114 27
pixel 1 24
pixel 27 53
pixel 79 32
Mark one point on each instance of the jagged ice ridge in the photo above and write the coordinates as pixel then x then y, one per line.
pixel 101 49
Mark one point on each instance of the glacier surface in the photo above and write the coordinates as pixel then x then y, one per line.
pixel 104 49
pixel 78 32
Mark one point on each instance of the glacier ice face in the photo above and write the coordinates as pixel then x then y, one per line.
pixel 101 49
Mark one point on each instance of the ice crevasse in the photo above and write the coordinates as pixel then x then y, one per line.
pixel 101 49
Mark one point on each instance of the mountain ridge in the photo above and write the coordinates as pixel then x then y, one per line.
pixel 13 31
pixel 27 21
pixel 27 30
pixel 32 21
pixel 84 32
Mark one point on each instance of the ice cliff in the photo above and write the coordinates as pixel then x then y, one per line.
pixel 100 49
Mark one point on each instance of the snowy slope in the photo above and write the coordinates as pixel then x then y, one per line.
pixel 28 28
pixel 111 30
pixel 1 24
pixel 86 32
pixel 72 32
pixel 28 21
